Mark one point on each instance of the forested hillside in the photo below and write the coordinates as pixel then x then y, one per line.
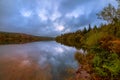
pixel 18 38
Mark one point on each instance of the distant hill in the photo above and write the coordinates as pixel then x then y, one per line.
pixel 20 38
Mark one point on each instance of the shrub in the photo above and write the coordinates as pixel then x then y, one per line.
pixel 106 65
pixel 93 38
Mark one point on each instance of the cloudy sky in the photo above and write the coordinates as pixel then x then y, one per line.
pixel 49 17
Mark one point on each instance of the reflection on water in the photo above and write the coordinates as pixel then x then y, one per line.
pixel 36 61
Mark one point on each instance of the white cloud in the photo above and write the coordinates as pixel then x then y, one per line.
pixel 42 15
pixel 76 13
pixel 68 15
pixel 55 15
pixel 60 28
pixel 67 30
pixel 26 13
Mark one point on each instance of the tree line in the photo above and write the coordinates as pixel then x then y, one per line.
pixel 102 44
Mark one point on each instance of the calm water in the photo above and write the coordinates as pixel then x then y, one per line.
pixel 37 61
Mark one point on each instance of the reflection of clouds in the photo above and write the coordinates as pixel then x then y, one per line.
pixel 54 61
pixel 22 68
pixel 43 52
pixel 59 49
pixel 25 63
pixel 56 55
pixel 42 60
pixel 81 51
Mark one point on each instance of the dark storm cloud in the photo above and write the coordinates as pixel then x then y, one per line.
pixel 70 5
pixel 47 17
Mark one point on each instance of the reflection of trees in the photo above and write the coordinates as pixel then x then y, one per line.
pixel 20 68
pixel 18 38
pixel 71 39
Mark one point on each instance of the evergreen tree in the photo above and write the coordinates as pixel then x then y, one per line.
pixel 89 28
pixel 84 30
pixel 95 27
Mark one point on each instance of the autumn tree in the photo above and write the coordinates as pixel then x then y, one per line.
pixel 110 13
pixel 118 10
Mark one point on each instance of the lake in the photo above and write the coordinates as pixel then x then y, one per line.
pixel 37 61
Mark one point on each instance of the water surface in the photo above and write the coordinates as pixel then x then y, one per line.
pixel 37 61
